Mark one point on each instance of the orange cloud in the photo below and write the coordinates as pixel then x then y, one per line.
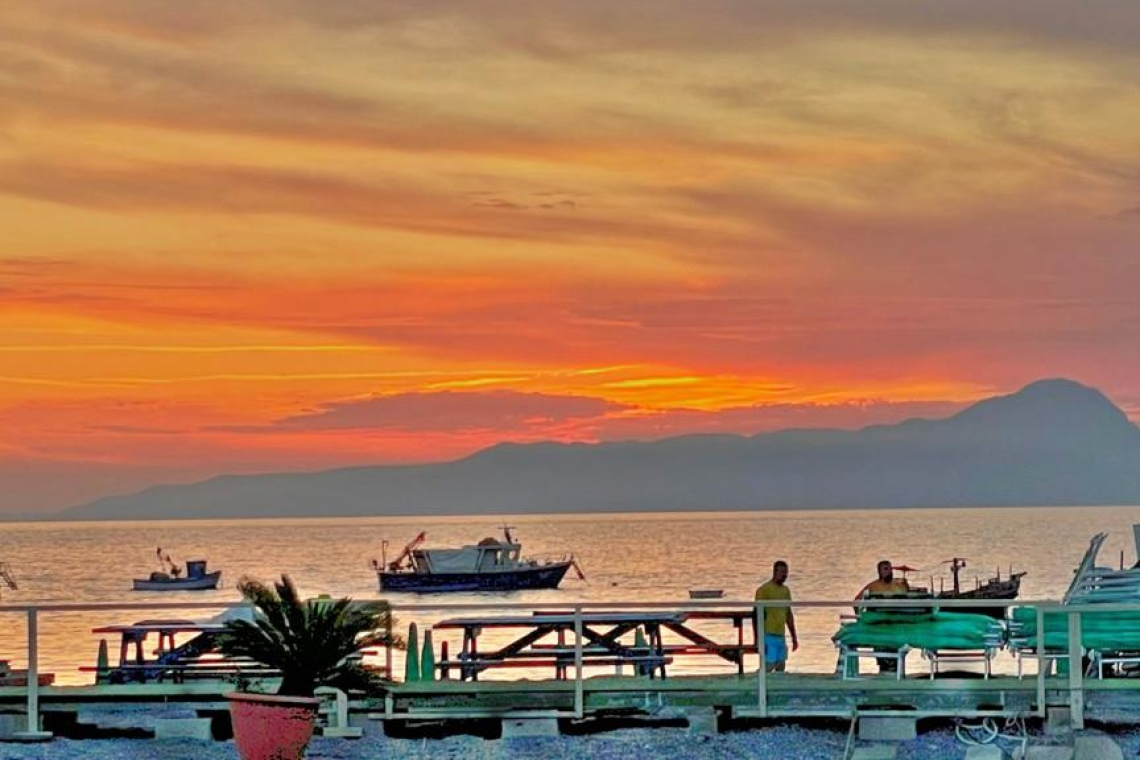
pixel 298 234
pixel 501 412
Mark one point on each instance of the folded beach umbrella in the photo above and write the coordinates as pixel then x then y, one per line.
pixel 412 659
pixel 427 659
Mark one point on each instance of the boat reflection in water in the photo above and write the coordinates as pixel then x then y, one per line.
pixel 490 565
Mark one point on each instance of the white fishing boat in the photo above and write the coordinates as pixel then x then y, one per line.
pixel 172 578
pixel 490 565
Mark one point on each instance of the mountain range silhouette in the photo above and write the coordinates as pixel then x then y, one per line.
pixel 1054 442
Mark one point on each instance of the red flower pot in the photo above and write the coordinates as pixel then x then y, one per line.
pixel 270 727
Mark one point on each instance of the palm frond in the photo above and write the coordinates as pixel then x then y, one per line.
pixel 313 642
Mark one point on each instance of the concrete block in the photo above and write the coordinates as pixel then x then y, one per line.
pixel 875 752
pixel 1058 721
pixel 182 728
pixel 887 729
pixel 1096 747
pixel 342 732
pixel 334 709
pixel 370 727
pixel 31 737
pixel 1044 753
pixel 515 727
pixel 702 720
pixel 12 723
pixel 986 752
pixel 14 728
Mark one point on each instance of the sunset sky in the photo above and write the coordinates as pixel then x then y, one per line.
pixel 298 234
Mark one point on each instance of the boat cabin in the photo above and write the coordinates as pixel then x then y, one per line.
pixel 488 555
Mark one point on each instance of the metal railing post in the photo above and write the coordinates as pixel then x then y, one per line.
pixel 762 671
pixel 33 672
pixel 1043 665
pixel 579 695
pixel 1076 672
pixel 33 732
pixel 1047 650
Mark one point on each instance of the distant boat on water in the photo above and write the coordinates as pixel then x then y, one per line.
pixel 706 593
pixel 995 588
pixel 7 579
pixel 490 565
pixel 171 577
pixel 12 677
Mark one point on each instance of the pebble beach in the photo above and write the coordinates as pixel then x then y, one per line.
pixel 778 742
pixel 781 742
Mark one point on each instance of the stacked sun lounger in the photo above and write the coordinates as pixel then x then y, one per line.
pixel 933 631
pixel 1099 630
pixel 942 637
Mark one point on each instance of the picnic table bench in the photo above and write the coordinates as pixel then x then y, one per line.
pixel 701 644
pixel 562 663
pixel 601 641
pixel 195 656
pixel 696 643
pixel 180 672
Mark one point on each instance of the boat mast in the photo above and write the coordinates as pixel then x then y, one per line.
pixel 6 576
pixel 956 564
pixel 407 552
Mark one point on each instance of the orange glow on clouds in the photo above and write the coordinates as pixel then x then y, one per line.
pixel 249 238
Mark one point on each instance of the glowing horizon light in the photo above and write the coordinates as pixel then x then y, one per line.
pixel 639 224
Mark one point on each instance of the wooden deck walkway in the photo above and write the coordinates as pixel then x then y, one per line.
pixel 790 695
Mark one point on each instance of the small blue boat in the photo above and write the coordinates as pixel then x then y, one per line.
pixel 490 565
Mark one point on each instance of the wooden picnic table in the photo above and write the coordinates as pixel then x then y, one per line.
pixel 601 633
pixel 179 672
pixel 733 653
pixel 699 644
pixel 194 657
pixel 134 636
pixel 601 641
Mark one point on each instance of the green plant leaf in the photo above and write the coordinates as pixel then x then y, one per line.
pixel 313 643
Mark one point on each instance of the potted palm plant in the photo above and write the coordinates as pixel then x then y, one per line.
pixel 312 643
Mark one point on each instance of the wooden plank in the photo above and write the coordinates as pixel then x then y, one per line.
pixel 779 682
pixel 790 695
pixel 525 621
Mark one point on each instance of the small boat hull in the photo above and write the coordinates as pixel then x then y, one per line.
pixel 204 583
pixel 993 590
pixel 706 593
pixel 541 577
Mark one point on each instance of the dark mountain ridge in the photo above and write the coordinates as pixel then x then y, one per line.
pixel 1055 442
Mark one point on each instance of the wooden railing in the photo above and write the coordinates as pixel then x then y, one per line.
pixel 1073 687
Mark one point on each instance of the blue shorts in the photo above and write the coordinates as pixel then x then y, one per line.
pixel 775 649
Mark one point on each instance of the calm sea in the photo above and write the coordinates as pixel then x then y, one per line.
pixel 627 557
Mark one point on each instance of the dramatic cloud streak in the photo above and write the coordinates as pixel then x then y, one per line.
pixel 299 234
pixel 500 411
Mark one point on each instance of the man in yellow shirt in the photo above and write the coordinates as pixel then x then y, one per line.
pixel 777 618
